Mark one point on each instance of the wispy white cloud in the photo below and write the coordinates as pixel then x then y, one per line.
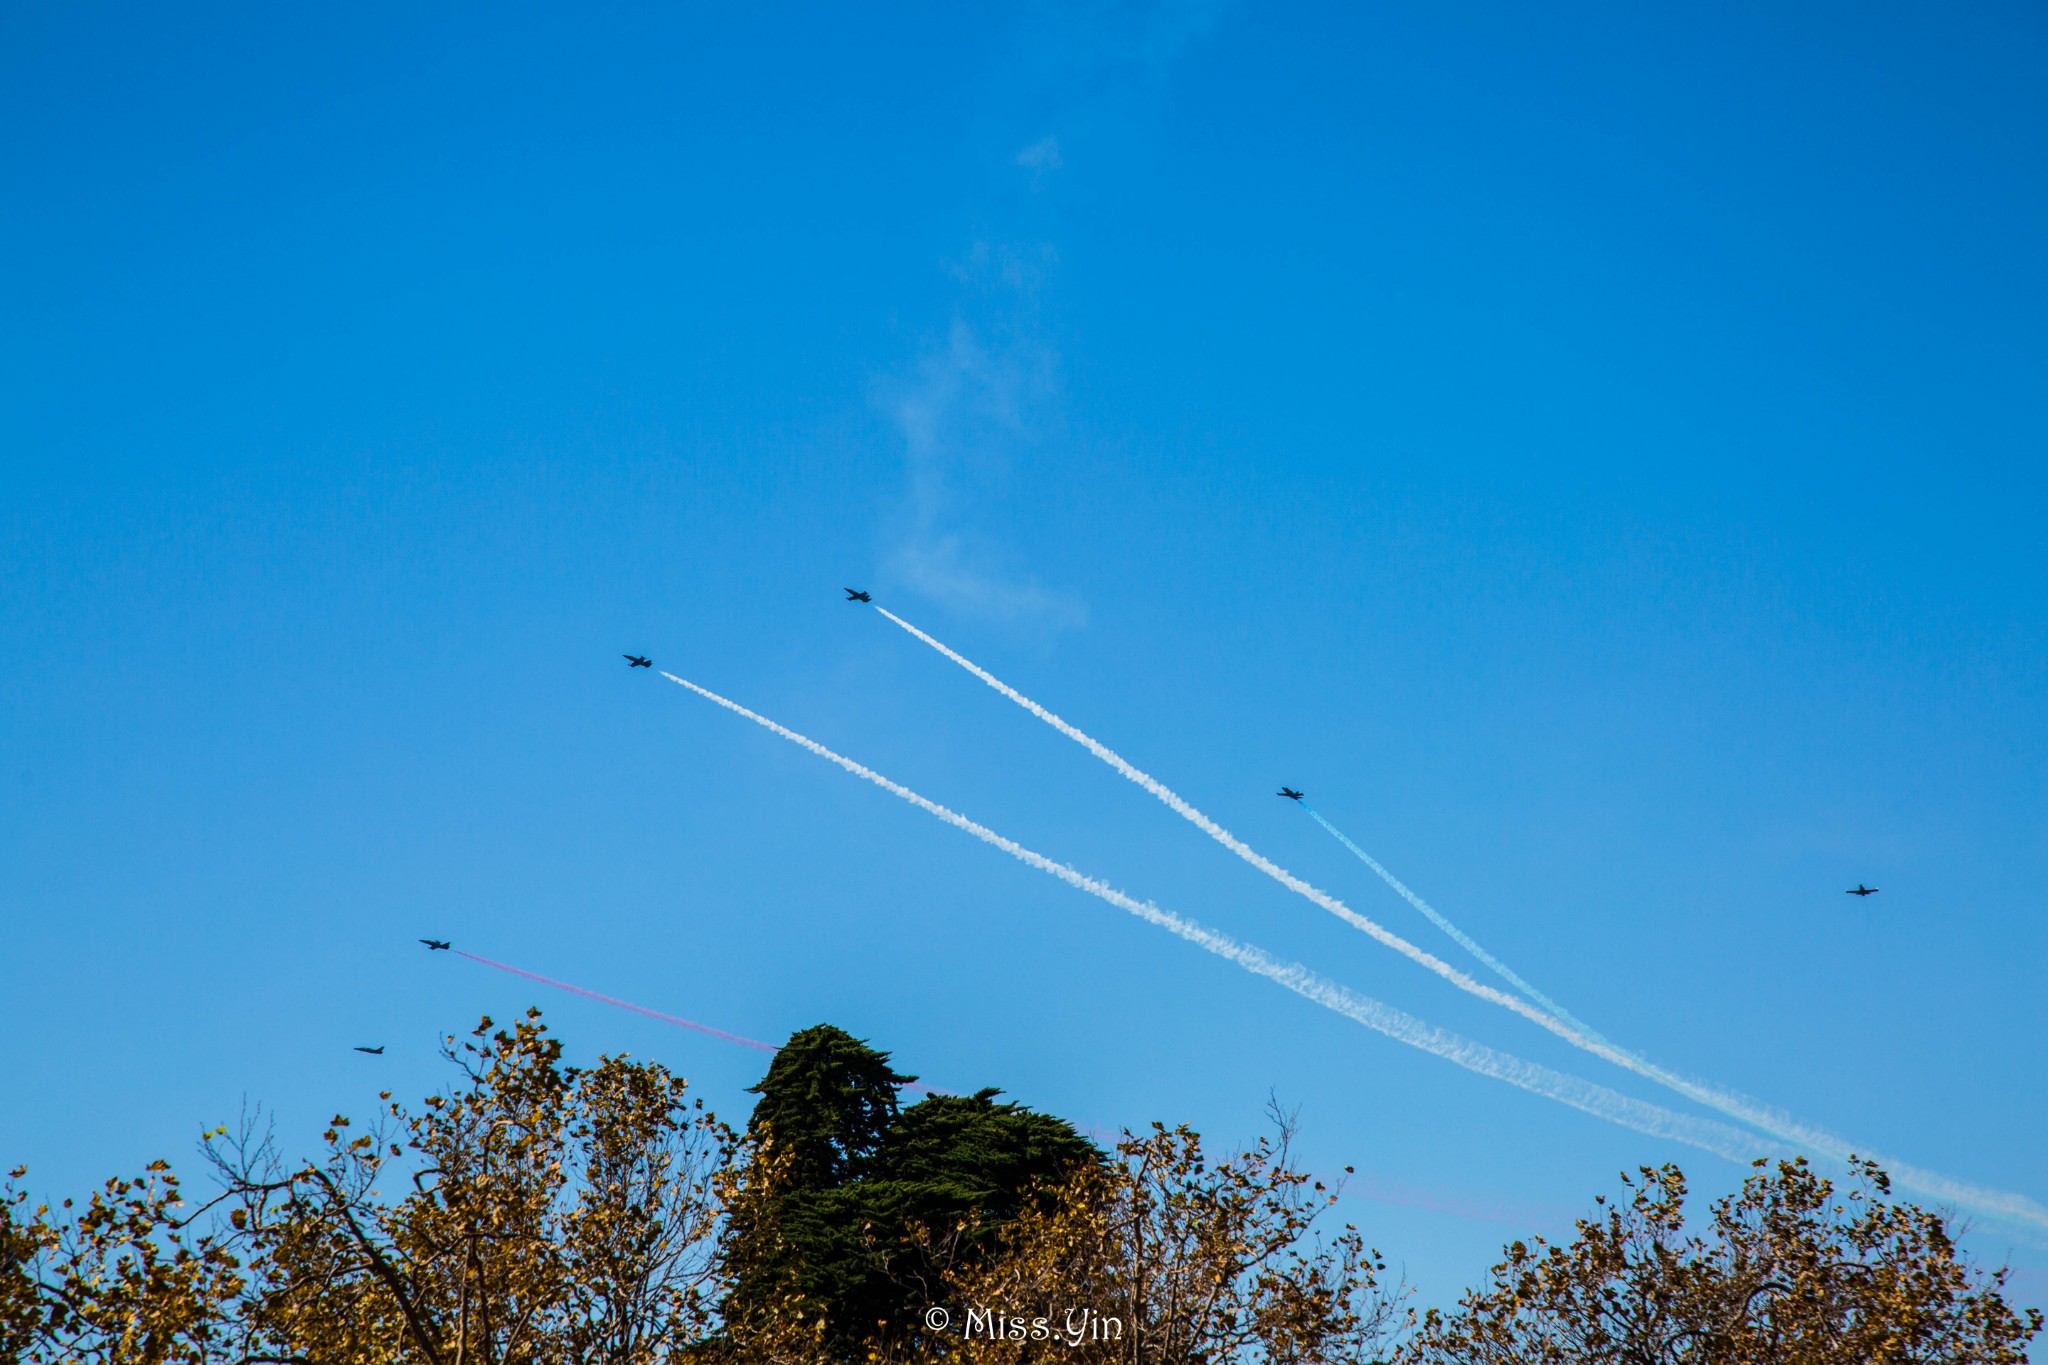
pixel 1041 158
pixel 1010 274
pixel 940 569
pixel 979 412
pixel 972 413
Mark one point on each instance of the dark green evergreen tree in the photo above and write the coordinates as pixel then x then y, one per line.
pixel 871 1201
pixel 830 1100
pixel 958 1167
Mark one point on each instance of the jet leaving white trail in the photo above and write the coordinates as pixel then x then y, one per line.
pixel 1732 1103
pixel 1567 1089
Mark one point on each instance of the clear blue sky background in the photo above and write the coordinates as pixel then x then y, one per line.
pixel 1596 452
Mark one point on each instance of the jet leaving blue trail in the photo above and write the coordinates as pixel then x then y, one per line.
pixel 1470 945
pixel 1500 969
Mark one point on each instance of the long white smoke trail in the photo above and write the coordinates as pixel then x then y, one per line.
pixel 1251 855
pixel 1567 1089
pixel 1732 1103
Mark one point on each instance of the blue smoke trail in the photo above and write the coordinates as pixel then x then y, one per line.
pixel 1465 941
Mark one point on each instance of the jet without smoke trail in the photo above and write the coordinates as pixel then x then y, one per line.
pixel 1735 1105
pixel 1567 1089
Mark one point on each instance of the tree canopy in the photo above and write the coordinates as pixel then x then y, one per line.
pixel 537 1213
pixel 854 1207
pixel 1165 1255
pixel 542 1213
pixel 830 1100
pixel 1790 1270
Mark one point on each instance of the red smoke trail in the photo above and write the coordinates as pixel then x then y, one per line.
pixel 1367 1188
pixel 622 1004
pixel 918 1086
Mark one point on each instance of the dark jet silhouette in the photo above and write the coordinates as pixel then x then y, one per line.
pixel 1290 793
pixel 638 661
pixel 436 945
pixel 377 1051
pixel 1861 890
pixel 856 595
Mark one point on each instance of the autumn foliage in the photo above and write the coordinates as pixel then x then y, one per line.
pixel 1163 1255
pixel 1790 1269
pixel 543 1214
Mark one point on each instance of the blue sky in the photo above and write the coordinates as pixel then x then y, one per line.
pixel 1595 452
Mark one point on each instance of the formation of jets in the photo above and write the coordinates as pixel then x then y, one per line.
pixel 858 595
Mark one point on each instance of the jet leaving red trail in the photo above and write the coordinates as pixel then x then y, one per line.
pixel 622 1004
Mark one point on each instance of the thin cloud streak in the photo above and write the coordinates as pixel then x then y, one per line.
pixel 970 411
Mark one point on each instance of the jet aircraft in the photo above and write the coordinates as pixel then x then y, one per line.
pixel 856 595
pixel 1290 793
pixel 638 661
pixel 436 945
pixel 377 1051
pixel 1861 890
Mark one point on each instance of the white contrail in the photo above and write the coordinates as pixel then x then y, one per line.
pixel 1734 1104
pixel 1253 856
pixel 1567 1089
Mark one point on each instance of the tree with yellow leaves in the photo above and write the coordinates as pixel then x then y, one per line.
pixel 552 1214
pixel 1164 1257
pixel 122 1279
pixel 1790 1271
pixel 537 1214
pixel 544 1214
